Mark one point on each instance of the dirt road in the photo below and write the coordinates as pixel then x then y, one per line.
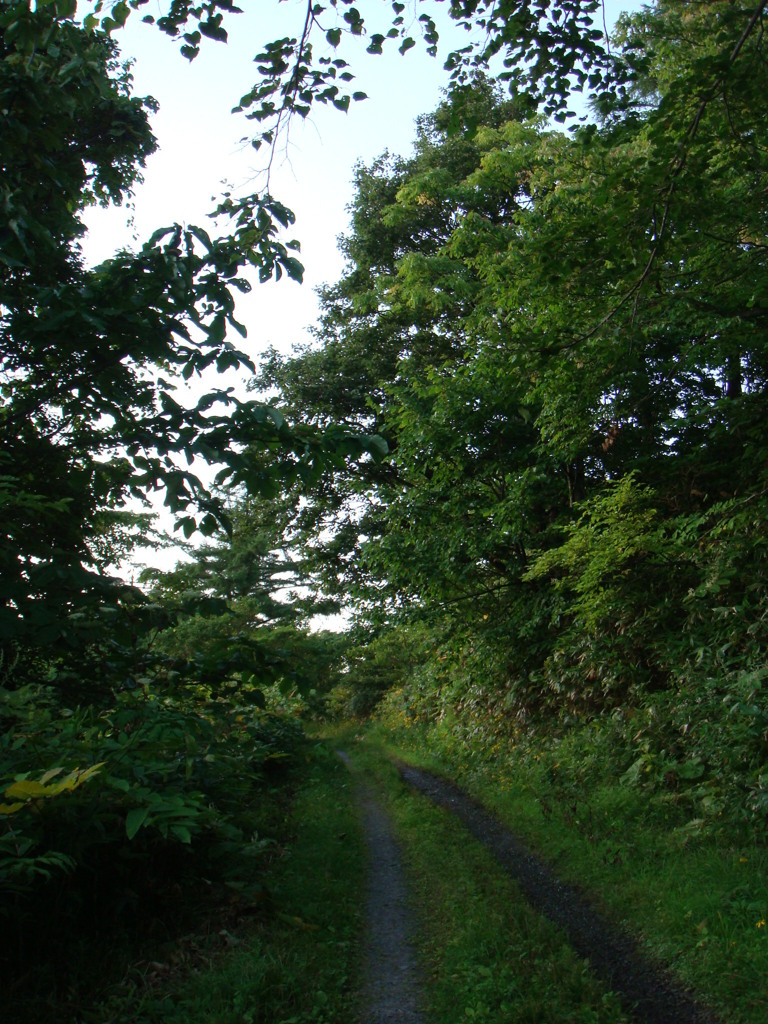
pixel 645 990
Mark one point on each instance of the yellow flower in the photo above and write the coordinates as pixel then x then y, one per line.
pixel 760 924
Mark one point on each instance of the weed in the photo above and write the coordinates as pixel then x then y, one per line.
pixel 692 891
pixel 297 961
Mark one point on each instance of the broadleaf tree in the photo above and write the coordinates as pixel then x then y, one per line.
pixel 91 357
pixel 575 399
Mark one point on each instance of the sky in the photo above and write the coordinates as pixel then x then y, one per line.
pixel 201 152
pixel 200 149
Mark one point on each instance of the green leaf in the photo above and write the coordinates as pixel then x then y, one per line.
pixel 375 45
pixel 135 819
pixel 182 833
pixel 213 30
pixel 26 789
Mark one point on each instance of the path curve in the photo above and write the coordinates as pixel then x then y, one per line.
pixel 646 992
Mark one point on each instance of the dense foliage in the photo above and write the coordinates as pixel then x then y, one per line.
pixel 136 749
pixel 561 335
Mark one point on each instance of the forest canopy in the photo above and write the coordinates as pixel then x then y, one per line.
pixel 525 452
pixel 560 335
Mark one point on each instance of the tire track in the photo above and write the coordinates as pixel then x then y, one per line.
pixel 392 986
pixel 646 992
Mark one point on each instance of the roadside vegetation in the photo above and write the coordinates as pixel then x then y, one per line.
pixel 524 454
pixel 291 954
pixel 693 896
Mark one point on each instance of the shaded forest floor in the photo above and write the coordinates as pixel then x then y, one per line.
pixel 488 947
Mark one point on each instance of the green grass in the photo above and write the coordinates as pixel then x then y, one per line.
pixel 696 897
pixel 487 957
pixel 297 962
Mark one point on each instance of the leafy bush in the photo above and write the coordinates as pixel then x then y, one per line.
pixel 113 819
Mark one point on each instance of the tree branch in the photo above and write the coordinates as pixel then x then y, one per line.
pixel 676 169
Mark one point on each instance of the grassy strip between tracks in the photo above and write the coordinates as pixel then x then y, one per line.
pixel 487 956
pixel 296 961
pixel 696 898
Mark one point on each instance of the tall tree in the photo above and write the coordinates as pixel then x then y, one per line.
pixel 99 422
pixel 375 330
pixel 90 358
pixel 592 308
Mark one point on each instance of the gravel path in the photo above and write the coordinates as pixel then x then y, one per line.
pixel 648 994
pixel 391 990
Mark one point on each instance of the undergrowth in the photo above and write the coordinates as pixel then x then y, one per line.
pixel 693 890
pixel 277 944
pixel 295 960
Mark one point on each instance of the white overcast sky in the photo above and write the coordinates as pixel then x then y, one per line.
pixel 200 152
pixel 200 149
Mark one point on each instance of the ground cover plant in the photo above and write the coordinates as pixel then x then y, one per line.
pixel 486 955
pixel 692 892
pixel 295 957
pixel 177 819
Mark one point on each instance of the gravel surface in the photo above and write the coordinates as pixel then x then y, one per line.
pixel 392 989
pixel 646 992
